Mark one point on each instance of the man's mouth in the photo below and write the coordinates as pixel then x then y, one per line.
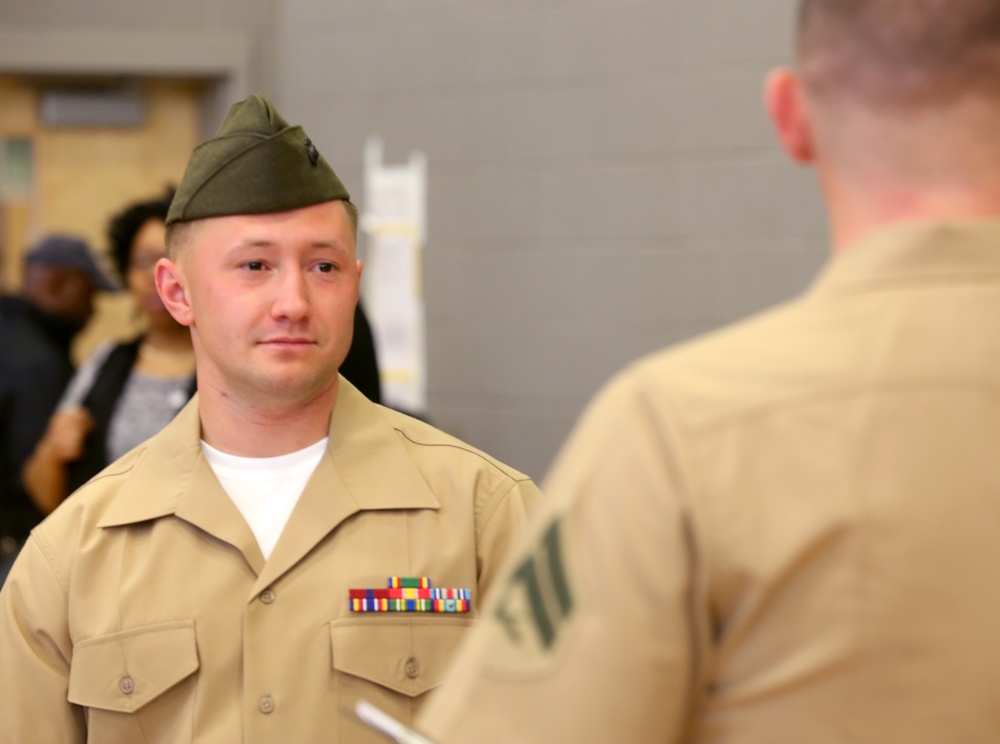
pixel 288 341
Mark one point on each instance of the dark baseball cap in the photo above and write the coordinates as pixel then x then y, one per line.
pixel 70 252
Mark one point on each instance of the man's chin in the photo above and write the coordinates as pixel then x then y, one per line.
pixel 293 389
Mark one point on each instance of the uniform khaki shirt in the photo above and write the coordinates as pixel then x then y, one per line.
pixel 785 532
pixel 143 611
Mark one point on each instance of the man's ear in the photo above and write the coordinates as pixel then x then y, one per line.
pixel 170 287
pixel 785 102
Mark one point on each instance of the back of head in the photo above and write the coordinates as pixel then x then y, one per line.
pixel 900 54
pixel 900 101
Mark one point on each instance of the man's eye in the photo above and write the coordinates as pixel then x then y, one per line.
pixel 254 265
pixel 326 267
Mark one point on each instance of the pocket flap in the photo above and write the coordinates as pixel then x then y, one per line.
pixel 409 657
pixel 123 671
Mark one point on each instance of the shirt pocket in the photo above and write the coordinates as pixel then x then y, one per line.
pixel 391 663
pixel 136 685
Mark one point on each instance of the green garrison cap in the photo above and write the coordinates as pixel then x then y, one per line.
pixel 256 163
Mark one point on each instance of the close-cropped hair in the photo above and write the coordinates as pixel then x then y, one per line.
pixel 179 233
pixel 352 212
pixel 125 225
pixel 899 52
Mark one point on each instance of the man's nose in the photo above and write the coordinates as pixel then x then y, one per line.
pixel 292 299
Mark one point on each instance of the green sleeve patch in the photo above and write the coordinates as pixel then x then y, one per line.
pixel 536 605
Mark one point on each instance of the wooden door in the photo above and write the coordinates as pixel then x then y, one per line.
pixel 72 179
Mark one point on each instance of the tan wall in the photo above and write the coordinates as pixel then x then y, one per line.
pixel 17 120
pixel 84 175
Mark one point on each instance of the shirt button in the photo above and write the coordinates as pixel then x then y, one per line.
pixel 412 668
pixel 127 685
pixel 267 596
pixel 266 704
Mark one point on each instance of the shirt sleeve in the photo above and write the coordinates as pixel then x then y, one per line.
pixel 35 649
pixel 503 521
pixel 591 635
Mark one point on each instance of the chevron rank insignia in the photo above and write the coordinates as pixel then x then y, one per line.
pixel 410 594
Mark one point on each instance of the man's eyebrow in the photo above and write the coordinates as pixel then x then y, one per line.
pixel 332 244
pixel 254 243
pixel 268 243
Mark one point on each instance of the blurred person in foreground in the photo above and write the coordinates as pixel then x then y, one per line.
pixel 786 531
pixel 228 580
pixel 37 328
pixel 125 392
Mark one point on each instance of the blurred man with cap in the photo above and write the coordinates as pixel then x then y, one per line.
pixel 285 547
pixel 786 531
pixel 37 328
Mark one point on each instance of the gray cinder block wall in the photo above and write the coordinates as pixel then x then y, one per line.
pixel 602 177
pixel 603 181
pixel 177 30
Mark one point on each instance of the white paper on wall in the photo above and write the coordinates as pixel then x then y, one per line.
pixel 394 221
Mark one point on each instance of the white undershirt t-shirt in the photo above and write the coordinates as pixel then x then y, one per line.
pixel 265 489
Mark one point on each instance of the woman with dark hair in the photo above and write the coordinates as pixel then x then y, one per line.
pixel 125 392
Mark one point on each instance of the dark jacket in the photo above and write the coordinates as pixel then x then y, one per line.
pixel 361 365
pixel 35 366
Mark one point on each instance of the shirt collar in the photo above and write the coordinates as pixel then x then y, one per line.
pixel 934 252
pixel 366 450
pixel 369 453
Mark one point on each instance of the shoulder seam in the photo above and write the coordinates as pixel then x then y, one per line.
pixel 514 475
pixel 50 560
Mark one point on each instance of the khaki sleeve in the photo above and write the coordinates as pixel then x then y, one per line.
pixel 35 653
pixel 589 634
pixel 502 525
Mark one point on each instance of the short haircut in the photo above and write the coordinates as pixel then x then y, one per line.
pixel 900 53
pixel 179 233
pixel 178 236
pixel 352 213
